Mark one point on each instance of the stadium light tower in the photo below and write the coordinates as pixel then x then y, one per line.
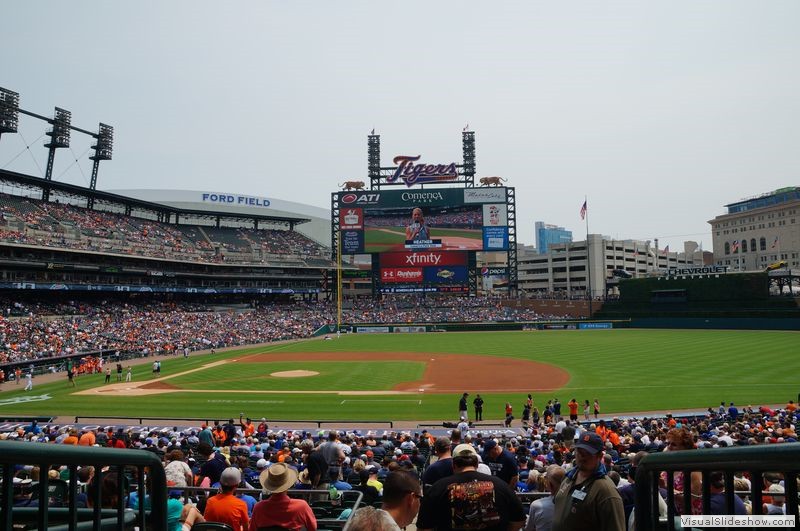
pixel 59 138
pixel 9 111
pixel 103 150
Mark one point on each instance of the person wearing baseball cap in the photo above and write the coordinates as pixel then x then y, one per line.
pixel 502 462
pixel 225 507
pixel 587 498
pixel 279 510
pixel 469 499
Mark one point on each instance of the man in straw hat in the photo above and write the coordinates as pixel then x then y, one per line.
pixel 225 507
pixel 279 510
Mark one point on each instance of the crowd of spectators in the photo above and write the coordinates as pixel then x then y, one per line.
pixel 53 224
pixel 33 331
pixel 472 218
pixel 131 328
pixel 533 463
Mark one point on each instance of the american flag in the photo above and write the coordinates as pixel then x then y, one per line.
pixel 735 246
pixel 583 210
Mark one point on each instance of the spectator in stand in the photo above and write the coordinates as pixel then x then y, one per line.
pixel 213 467
pixel 679 439
pixel 225 507
pixel 469 499
pixel 179 474
pixel 402 495
pixel 587 499
pixel 501 462
pixel 443 466
pixel 718 505
pixel 540 516
pixel 279 510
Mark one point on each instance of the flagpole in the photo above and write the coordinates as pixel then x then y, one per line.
pixel 588 260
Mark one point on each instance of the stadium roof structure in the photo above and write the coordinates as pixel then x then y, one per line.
pixel 164 212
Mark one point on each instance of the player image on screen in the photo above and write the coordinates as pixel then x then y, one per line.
pixel 418 229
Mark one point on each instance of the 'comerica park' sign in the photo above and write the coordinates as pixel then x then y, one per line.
pixel 692 271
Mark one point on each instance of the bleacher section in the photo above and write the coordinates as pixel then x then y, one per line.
pixel 49 224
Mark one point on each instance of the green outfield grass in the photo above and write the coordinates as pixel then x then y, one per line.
pixel 627 370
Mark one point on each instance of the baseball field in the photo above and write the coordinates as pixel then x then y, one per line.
pixel 421 376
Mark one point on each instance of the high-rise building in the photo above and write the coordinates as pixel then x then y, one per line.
pixel 547 235
pixel 759 231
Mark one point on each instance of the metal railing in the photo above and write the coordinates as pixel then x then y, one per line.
pixel 755 460
pixel 44 456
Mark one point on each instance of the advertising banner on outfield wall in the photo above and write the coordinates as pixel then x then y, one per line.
pixel 594 326
pixel 372 329
pixel 408 329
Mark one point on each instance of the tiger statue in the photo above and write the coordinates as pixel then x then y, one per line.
pixel 352 185
pixel 489 181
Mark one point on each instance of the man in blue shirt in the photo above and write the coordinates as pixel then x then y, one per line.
pixel 501 462
pixel 33 428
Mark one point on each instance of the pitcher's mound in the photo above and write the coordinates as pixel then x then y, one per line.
pixel 294 374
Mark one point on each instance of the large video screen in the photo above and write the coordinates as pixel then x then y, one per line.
pixel 418 271
pixel 450 219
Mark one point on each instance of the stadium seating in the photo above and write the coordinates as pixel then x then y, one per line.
pixel 59 225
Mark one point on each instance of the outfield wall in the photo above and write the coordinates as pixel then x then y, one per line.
pixel 711 323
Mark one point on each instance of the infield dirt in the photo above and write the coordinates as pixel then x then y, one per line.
pixel 444 373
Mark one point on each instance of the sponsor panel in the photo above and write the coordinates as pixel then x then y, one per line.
pixel 422 259
pixel 495 238
pixel 403 275
pixel 495 216
pixel 485 195
pixel 351 218
pixel 366 198
pixel 445 274
pixel 352 242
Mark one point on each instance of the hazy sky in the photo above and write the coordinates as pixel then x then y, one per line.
pixel 659 112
